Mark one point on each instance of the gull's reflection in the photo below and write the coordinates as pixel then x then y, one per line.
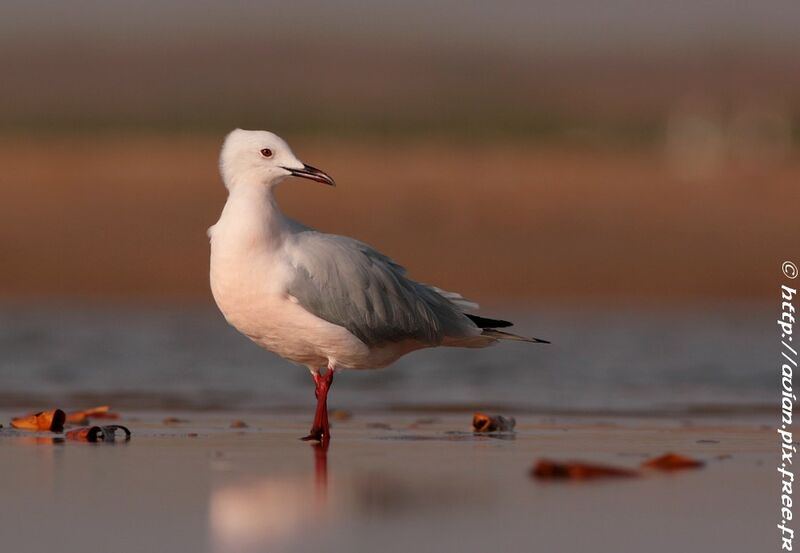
pixel 321 470
pixel 271 512
pixel 298 510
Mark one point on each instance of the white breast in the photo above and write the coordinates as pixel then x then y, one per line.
pixel 249 274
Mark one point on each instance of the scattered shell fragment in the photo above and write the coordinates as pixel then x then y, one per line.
pixel 574 470
pixel 672 461
pixel 497 423
pixel 85 434
pixel 44 420
pixel 238 424
pixel 98 433
pixel 110 432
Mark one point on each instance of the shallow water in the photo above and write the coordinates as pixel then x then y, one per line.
pixel 200 486
pixel 719 358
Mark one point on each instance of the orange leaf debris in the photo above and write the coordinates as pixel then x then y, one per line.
pixel 52 420
pixel 546 469
pixel 82 417
pixel 672 461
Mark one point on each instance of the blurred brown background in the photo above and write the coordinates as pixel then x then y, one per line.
pixel 523 153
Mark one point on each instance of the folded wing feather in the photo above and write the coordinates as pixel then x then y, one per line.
pixel 350 284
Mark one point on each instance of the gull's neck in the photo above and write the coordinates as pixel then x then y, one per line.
pixel 252 218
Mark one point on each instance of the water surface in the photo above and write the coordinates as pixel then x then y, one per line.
pixel 612 360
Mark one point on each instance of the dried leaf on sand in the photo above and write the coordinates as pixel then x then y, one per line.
pixel 497 423
pixel 573 470
pixel 672 461
pixel 82 417
pixel 52 420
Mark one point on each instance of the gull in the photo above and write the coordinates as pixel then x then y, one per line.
pixel 320 300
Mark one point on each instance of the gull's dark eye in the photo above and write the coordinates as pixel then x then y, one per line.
pixel 266 152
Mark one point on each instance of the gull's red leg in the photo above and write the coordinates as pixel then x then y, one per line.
pixel 321 430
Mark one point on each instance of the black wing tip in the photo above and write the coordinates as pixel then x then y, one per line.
pixel 500 335
pixel 484 322
pixel 492 324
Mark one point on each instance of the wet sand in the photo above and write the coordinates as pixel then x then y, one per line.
pixel 388 482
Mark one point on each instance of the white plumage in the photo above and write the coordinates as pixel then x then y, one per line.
pixel 317 299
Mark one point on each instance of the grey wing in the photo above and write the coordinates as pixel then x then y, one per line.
pixel 350 284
